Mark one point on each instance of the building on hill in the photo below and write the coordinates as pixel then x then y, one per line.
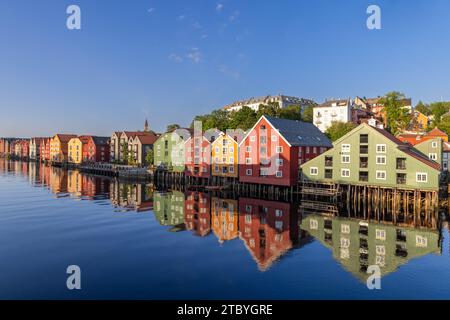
pixel 416 138
pixel 371 156
pixel 282 100
pixel 331 111
pixel 273 149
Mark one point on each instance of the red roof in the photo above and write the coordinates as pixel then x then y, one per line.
pixel 65 137
pixel 436 132
pixel 147 139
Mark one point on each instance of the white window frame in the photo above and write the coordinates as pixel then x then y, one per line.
pixel 345 170
pixel 279 174
pixel 383 146
pixel 253 138
pixel 314 171
pixel 249 172
pixel 248 160
pixel 248 149
pixel 279 149
pixel 432 156
pixel 380 157
pixel 274 137
pixel 434 144
pixel 421 175
pixel 345 156
pixel 345 147
pixel 380 171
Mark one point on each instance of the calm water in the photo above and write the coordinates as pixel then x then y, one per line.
pixel 133 242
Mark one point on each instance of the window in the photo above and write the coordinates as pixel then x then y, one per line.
pixel 401 178
pixel 381 148
pixel 314 149
pixel 401 163
pixel 307 150
pixel 363 176
pixel 279 162
pixel 328 173
pixel 279 149
pixel 278 174
pixel 345 158
pixel 421 241
pixel 432 156
pixel 345 147
pixel 263 172
pixel 231 150
pixel 363 138
pixel 380 234
pixel 231 160
pixel 274 138
pixel 345 173
pixel 278 213
pixel 263 150
pixel 381 160
pixel 252 138
pixel 328 161
pixel 248 160
pixel 434 144
pixel 216 168
pixel 314 171
pixel 363 149
pixel 262 139
pixel 381 175
pixel 231 169
pixel 345 228
pixel 421 177
pixel 248 172
pixel 248 149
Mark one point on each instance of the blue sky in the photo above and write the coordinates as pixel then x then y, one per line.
pixel 170 60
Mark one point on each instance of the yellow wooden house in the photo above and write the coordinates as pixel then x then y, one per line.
pixel 224 151
pixel 59 147
pixel 225 218
pixel 421 119
pixel 75 150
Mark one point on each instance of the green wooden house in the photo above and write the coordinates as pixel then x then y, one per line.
pixel 372 156
pixel 169 150
pixel 357 244
pixel 168 208
pixel 432 148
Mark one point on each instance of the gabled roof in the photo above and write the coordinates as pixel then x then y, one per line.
pixel 147 139
pixel 65 137
pixel 299 133
pixel 436 132
pixel 100 140
pixel 338 102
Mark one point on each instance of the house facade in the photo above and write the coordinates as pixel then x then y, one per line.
pixel 198 156
pixel 273 149
pixel 225 218
pixel 432 148
pixel 282 100
pixel 97 149
pixel 140 146
pixel 225 156
pixel 330 111
pixel 35 148
pixel 59 147
pixel 372 156
pixel 75 149
pixel 45 149
pixel 169 150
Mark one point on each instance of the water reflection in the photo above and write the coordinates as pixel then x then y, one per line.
pixel 267 229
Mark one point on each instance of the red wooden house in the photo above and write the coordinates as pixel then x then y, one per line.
pixel 197 213
pixel 198 155
pixel 268 228
pixel 97 149
pixel 274 148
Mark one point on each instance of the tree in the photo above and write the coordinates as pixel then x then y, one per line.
pixel 172 127
pixel 131 160
pixel 397 116
pixel 292 112
pixel 444 124
pixel 124 152
pixel 245 118
pixel 272 110
pixel 423 108
pixel 339 129
pixel 149 157
pixel 308 113
pixel 438 109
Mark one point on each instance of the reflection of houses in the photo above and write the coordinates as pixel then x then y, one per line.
pixel 75 183
pixel 224 215
pixel 197 213
pixel 273 149
pixel 268 228
pixel 136 197
pixel 168 208
pixel 357 244
pixel 58 181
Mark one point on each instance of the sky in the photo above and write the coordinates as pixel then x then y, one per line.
pixel 170 60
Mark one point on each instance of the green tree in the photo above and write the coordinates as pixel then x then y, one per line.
pixel 292 112
pixel 245 118
pixel 149 157
pixel 423 108
pixel 438 109
pixel 172 126
pixel 272 109
pixel 338 129
pixel 444 124
pixel 308 113
pixel 124 152
pixel 131 160
pixel 397 117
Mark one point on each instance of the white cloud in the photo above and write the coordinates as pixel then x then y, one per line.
pixel 219 7
pixel 204 36
pixel 151 10
pixel 195 55
pixel 235 15
pixel 181 17
pixel 197 25
pixel 175 58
